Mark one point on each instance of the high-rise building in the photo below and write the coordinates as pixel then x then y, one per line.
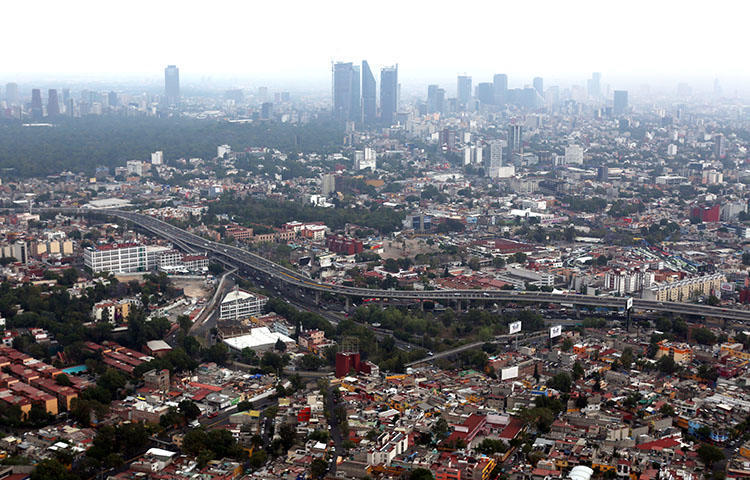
pixel 486 93
pixel 266 110
pixel 157 158
pixel 595 85
pixel 574 155
pixel 720 149
pixel 172 84
pixel 538 83
pixel 464 90
pixel 494 160
pixel 355 115
pixel 435 99
pixel 112 99
pixel 346 92
pixel 36 104
pixel 369 95
pixel 515 140
pixel 67 103
pixel 53 103
pixel 11 93
pixel 500 84
pixel 620 102
pixel 327 184
pixel 388 94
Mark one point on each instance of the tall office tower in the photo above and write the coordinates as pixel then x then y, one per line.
pixel 388 94
pixel 36 104
pixel 486 93
pixel 500 83
pixel 435 99
pixel 538 83
pixel 66 102
pixel 355 114
pixel 720 148
pixel 11 93
pixel 494 160
pixel 343 75
pixel 595 85
pixel 621 102
pixel 266 110
pixel 515 140
pixel 464 89
pixel 112 99
pixel 172 84
pixel 53 103
pixel 369 95
pixel 327 184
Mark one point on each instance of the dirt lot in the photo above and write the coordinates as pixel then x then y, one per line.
pixel 414 246
pixel 196 288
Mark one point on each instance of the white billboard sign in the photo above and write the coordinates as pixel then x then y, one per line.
pixel 555 331
pixel 515 327
pixel 510 372
pixel 629 303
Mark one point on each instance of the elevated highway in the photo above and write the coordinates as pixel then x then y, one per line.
pixel 248 260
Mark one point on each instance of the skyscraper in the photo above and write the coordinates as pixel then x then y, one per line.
pixel 538 83
pixel 369 95
pixel 355 113
pixel 53 103
pixel 435 99
pixel 388 94
pixel 345 78
pixel 172 84
pixel 11 93
pixel 36 104
pixel 486 93
pixel 500 83
pixel 463 88
pixel 719 148
pixel 595 85
pixel 494 160
pixel 620 102
pixel 515 140
pixel 112 99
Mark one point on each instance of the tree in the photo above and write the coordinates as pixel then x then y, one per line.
pixel 704 336
pixel 746 258
pixel 440 429
pixel 420 474
pixel 666 410
pixel 667 365
pixel 560 382
pixel 578 371
pixel 185 322
pixel 627 358
pixel 474 263
pixel 280 346
pixel 63 380
pixel 189 410
pixel 318 468
pixel 288 434
pixel 567 344
pixel 51 469
pixel 710 454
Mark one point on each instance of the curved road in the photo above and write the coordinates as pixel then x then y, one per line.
pixel 243 258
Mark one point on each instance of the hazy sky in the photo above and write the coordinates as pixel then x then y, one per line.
pixel 277 39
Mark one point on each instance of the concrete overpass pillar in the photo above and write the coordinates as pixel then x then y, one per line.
pixel 421 305
pixel 317 297
pixel 348 303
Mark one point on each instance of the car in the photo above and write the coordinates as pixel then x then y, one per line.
pixel 486 294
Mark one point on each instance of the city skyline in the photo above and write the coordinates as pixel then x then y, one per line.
pixel 580 45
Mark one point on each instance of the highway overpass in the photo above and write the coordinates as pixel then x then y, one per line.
pixel 244 259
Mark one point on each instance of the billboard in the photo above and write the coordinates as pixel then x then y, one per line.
pixel 629 303
pixel 510 372
pixel 515 327
pixel 555 331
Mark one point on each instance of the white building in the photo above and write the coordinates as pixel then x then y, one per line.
pixel 239 304
pixel 222 150
pixel 122 258
pixel 672 150
pixel 365 159
pixel 157 158
pixel 135 167
pixel 574 155
pixel 623 282
pixel 495 161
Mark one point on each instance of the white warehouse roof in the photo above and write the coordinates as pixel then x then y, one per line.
pixel 258 338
